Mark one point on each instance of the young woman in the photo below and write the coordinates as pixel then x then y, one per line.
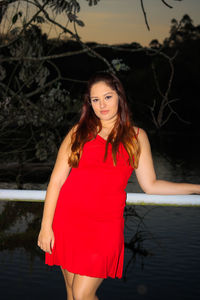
pixel 82 227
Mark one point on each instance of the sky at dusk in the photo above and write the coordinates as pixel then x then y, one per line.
pixel 122 21
pixel 117 21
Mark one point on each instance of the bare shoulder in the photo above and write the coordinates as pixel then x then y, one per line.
pixel 67 140
pixel 65 147
pixel 141 133
pixel 143 139
pixel 62 167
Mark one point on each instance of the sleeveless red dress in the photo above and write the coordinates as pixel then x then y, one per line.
pixel 88 223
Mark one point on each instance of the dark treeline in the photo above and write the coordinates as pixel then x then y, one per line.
pixel 42 81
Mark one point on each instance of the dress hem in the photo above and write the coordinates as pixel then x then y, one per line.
pixel 83 273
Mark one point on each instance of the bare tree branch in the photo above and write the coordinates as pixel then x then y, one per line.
pixel 145 15
pixel 44 58
pixel 159 120
pixel 93 52
pixel 144 12
pixel 163 1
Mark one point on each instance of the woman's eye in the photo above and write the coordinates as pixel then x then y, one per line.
pixel 94 100
pixel 108 97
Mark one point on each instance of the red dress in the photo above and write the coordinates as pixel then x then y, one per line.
pixel 88 223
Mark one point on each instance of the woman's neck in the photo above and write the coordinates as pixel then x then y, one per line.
pixel 108 124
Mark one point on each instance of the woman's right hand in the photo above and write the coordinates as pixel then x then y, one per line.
pixel 46 240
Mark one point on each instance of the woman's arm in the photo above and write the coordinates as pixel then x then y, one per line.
pixel 146 175
pixel 59 175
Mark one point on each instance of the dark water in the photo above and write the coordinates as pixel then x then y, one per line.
pixel 171 236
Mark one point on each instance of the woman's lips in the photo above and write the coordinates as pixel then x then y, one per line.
pixel 104 112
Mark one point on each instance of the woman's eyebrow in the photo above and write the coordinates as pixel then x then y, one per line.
pixel 103 94
pixel 109 93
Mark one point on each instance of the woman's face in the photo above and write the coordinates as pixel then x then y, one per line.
pixel 104 101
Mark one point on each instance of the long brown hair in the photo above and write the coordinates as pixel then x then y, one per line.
pixel 90 125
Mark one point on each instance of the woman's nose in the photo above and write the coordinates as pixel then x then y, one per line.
pixel 102 103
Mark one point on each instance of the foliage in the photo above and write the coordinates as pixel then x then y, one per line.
pixel 31 102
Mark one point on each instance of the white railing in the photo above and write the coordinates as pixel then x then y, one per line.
pixel 132 198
